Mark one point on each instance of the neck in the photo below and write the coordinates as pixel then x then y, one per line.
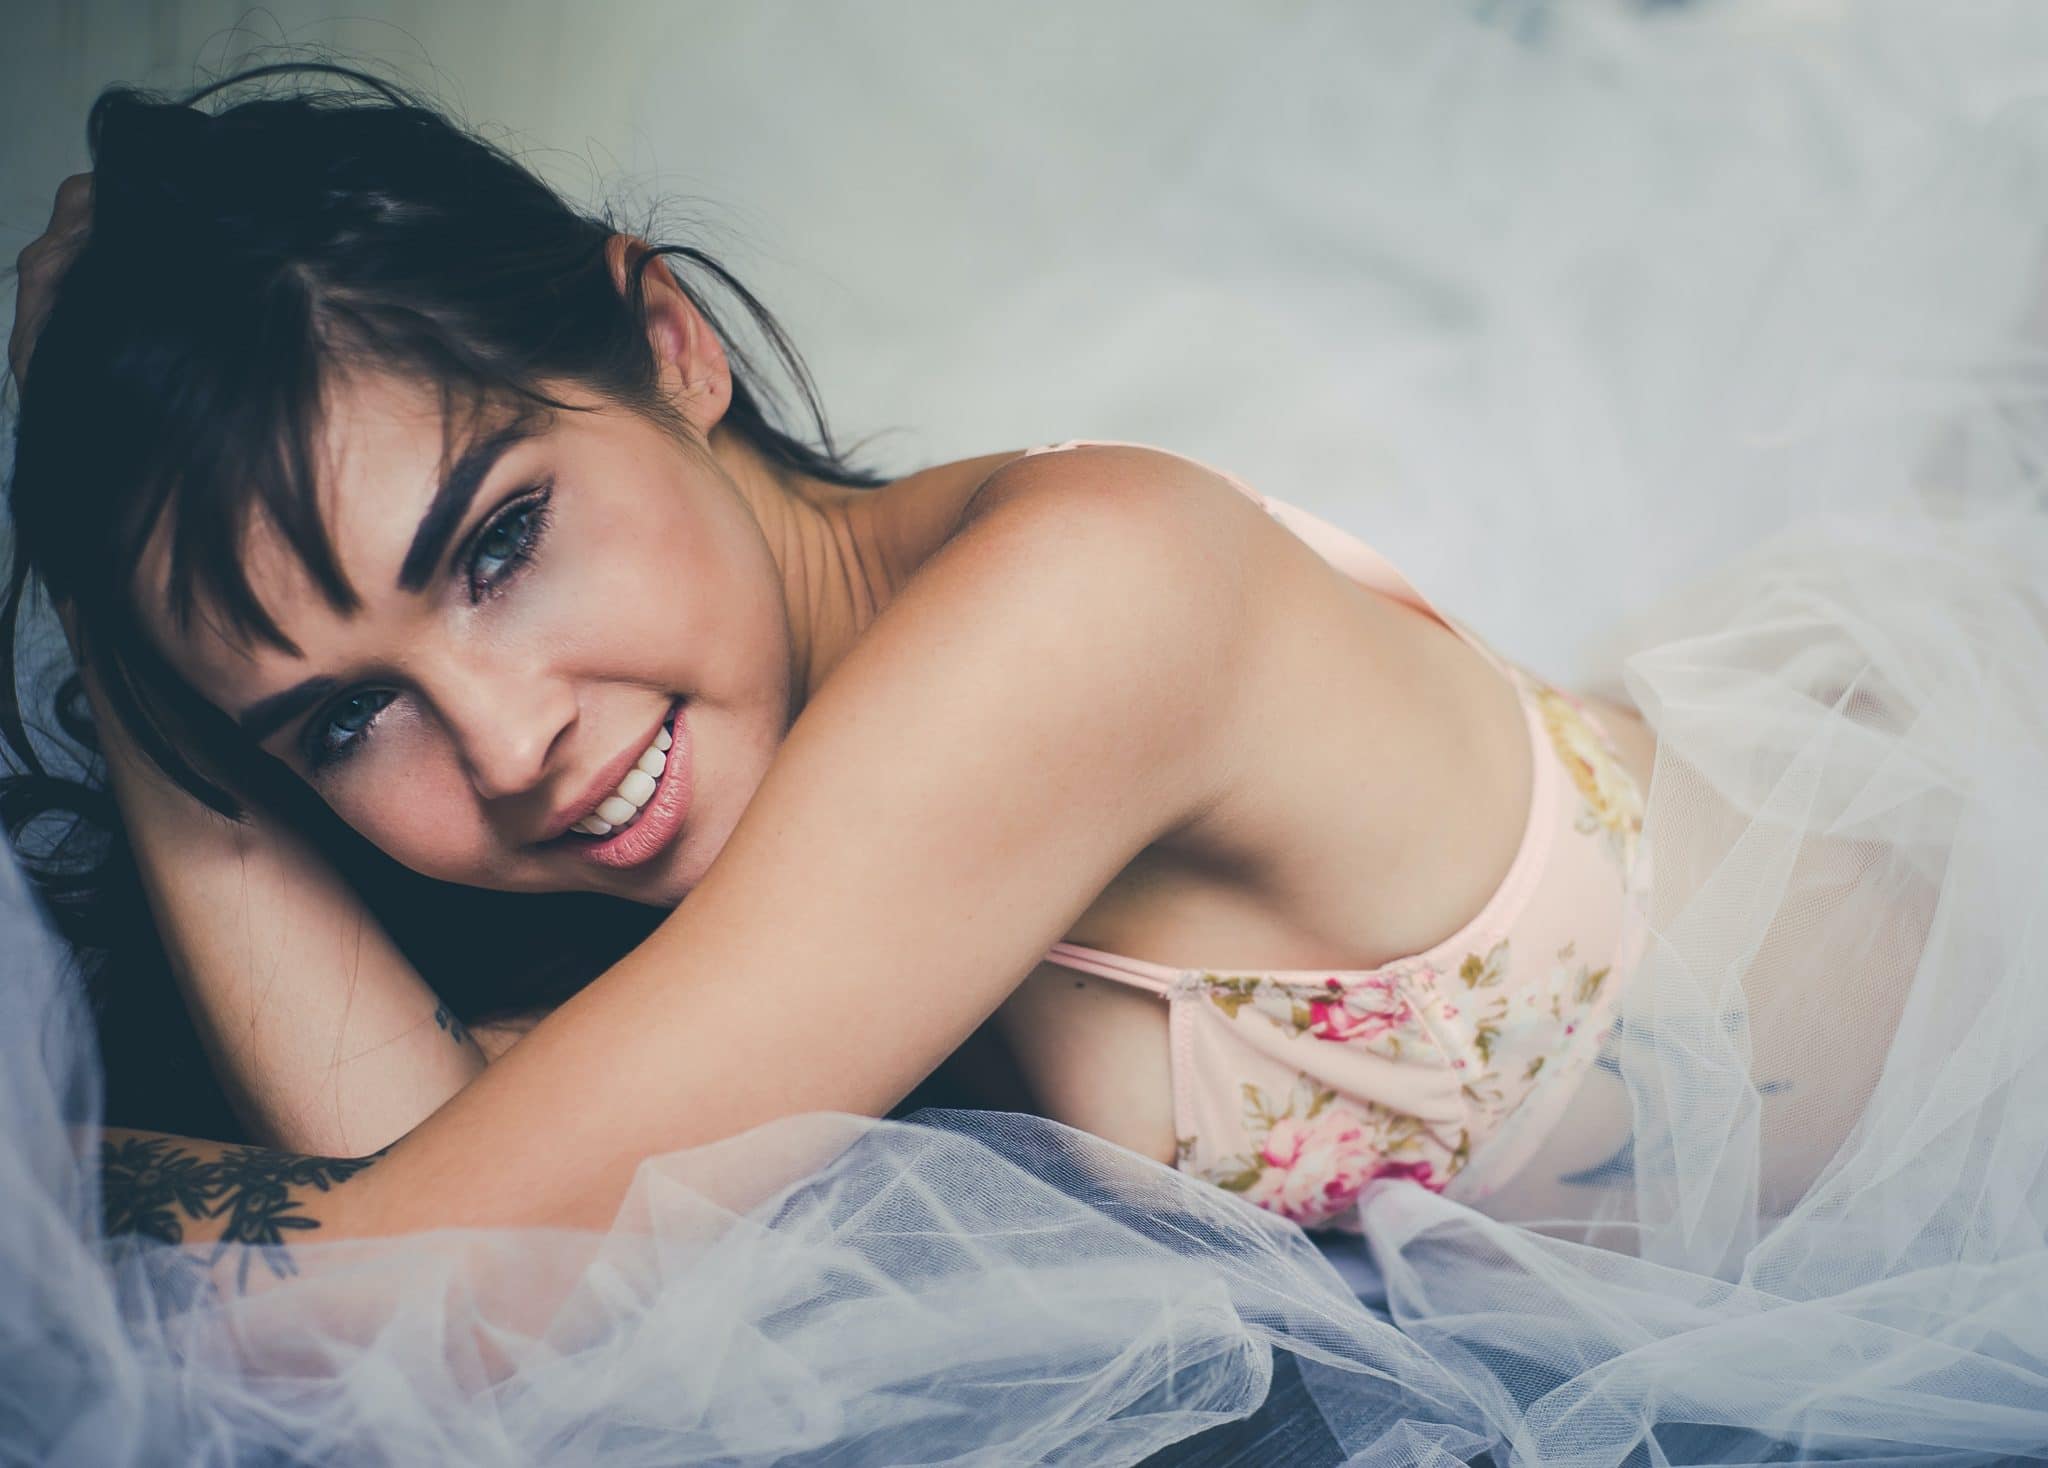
pixel 842 554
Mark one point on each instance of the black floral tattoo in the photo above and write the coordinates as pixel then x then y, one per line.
pixel 149 1185
pixel 142 1180
pixel 446 1019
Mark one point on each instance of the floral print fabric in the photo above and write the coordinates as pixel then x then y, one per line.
pixel 1409 1070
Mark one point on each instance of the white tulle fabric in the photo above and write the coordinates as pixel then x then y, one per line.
pixel 1800 1209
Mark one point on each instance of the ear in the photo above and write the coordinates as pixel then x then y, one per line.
pixel 687 351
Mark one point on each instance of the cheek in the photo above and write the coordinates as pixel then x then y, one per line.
pixel 419 812
pixel 655 592
pixel 614 570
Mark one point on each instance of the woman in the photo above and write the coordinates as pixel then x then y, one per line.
pixel 630 611
pixel 1322 974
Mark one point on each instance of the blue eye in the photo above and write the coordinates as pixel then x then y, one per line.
pixel 338 717
pixel 496 554
pixel 507 543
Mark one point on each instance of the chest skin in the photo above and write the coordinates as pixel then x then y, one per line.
pixel 1386 805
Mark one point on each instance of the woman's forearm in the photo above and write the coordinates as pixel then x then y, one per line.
pixel 323 1034
pixel 244 1216
pixel 186 1190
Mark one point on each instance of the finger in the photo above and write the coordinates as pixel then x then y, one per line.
pixel 41 262
pixel 70 214
pixel 69 218
pixel 74 203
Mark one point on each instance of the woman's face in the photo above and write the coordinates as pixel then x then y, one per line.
pixel 602 571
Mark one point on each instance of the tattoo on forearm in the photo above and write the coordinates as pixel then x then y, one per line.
pixel 152 1186
pixel 446 1019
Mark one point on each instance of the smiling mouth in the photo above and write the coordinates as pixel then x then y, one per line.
pixel 620 809
pixel 651 802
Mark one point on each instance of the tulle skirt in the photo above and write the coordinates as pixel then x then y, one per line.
pixel 1797 1211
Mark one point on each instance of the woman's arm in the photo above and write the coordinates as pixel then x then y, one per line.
pixel 184 1190
pixel 1062 684
pixel 324 1036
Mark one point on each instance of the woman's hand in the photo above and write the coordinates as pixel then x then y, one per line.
pixel 42 262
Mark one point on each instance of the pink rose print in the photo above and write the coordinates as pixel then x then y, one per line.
pixel 1364 1013
pixel 1314 1168
pixel 1421 1172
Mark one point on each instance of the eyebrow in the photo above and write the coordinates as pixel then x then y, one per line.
pixel 266 716
pixel 445 514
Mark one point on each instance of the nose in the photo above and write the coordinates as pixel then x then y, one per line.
pixel 507 728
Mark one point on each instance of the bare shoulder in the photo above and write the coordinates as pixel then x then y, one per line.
pixel 1151 541
pixel 1122 482
pixel 1120 557
pixel 1127 562
pixel 1138 568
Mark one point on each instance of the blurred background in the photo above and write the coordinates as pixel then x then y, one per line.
pixel 1524 294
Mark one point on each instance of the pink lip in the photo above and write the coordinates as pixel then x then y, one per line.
pixel 659 820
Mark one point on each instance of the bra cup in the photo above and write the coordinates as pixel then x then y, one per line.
pixel 1364 1036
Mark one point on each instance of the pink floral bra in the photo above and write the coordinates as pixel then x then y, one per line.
pixel 1294 1089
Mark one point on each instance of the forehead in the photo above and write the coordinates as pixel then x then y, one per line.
pixel 375 461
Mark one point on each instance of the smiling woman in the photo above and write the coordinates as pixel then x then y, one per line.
pixel 533 610
pixel 367 409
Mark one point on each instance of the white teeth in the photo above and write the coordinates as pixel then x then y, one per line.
pixel 636 787
pixel 633 792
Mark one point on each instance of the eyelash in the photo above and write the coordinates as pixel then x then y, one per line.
pixel 533 508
